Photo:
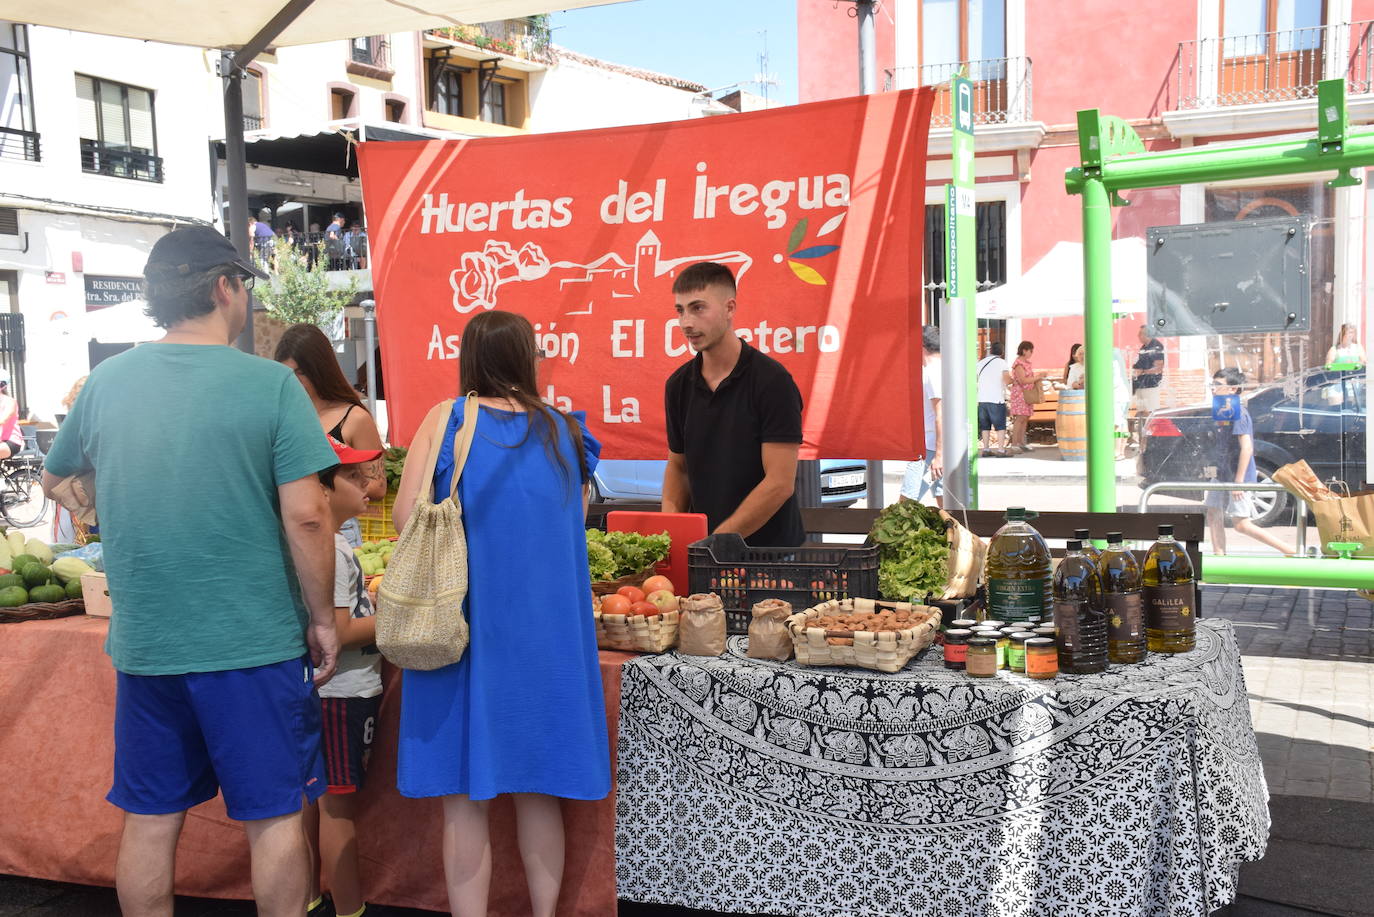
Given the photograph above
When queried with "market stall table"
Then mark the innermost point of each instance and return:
(760, 787)
(56, 754)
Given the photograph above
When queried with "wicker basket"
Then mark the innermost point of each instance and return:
(376, 522)
(42, 611)
(637, 633)
(606, 587)
(888, 651)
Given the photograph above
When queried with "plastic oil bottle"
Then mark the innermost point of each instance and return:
(1089, 548)
(1121, 578)
(1018, 571)
(1079, 620)
(1170, 596)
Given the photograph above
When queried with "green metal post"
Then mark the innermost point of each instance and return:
(1314, 572)
(1097, 337)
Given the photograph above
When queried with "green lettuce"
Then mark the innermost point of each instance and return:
(611, 555)
(913, 554)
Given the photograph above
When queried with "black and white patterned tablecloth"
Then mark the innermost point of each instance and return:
(760, 787)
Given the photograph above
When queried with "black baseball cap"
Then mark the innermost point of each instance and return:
(193, 250)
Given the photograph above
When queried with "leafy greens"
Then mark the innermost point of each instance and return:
(611, 555)
(913, 555)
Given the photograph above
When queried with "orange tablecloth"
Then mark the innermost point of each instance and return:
(56, 759)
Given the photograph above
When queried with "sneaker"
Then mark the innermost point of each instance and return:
(324, 909)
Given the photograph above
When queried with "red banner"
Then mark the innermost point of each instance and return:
(818, 209)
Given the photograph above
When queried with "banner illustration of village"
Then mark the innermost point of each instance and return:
(817, 208)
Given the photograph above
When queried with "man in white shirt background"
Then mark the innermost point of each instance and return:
(994, 375)
(926, 475)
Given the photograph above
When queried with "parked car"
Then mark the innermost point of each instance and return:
(1317, 415)
(843, 481)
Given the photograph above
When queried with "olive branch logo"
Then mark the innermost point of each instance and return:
(805, 272)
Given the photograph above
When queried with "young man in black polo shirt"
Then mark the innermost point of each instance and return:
(734, 421)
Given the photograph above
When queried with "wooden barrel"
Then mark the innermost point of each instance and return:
(1071, 425)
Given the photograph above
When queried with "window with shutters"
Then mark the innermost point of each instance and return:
(494, 103)
(18, 135)
(9, 221)
(117, 129)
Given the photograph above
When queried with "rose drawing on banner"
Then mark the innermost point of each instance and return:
(480, 274)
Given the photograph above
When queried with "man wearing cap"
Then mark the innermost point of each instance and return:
(218, 546)
(11, 437)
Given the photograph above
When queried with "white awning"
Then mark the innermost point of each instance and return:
(124, 323)
(232, 23)
(1054, 286)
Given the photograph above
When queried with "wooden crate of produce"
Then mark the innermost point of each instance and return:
(865, 633)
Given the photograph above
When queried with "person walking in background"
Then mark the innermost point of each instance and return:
(1346, 349)
(11, 436)
(1073, 370)
(1235, 462)
(993, 375)
(522, 713)
(306, 351)
(200, 450)
(1147, 373)
(926, 475)
(1024, 381)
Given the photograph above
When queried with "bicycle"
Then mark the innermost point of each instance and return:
(22, 501)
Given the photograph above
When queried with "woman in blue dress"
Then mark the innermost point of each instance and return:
(522, 712)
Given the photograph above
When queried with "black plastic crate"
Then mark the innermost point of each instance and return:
(743, 576)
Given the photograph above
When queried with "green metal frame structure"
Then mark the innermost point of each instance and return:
(1113, 159)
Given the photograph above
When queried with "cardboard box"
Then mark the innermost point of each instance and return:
(96, 595)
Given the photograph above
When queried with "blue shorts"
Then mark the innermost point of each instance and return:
(252, 733)
(992, 415)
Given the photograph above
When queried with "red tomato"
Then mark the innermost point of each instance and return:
(633, 593)
(655, 583)
(644, 608)
(615, 605)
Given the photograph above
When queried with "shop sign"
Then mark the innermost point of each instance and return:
(102, 291)
(818, 209)
(54, 277)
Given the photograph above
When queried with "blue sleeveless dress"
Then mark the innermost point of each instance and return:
(522, 711)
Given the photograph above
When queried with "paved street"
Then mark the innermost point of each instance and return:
(1309, 666)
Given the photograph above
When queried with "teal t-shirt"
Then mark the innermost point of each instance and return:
(189, 444)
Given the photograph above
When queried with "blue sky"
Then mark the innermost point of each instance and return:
(715, 42)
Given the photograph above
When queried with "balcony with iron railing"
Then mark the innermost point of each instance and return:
(529, 38)
(1278, 66)
(1001, 88)
(20, 144)
(99, 159)
(345, 252)
(370, 56)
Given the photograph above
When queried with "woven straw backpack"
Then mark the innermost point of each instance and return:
(420, 623)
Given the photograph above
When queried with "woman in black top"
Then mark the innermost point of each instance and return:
(305, 349)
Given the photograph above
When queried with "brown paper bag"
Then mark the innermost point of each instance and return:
(701, 628)
(768, 636)
(1349, 519)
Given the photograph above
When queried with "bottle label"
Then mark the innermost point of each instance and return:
(1078, 625)
(1170, 607)
(1016, 599)
(956, 652)
(1125, 616)
(1041, 663)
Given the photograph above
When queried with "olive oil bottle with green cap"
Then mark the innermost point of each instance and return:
(1170, 596)
(1120, 574)
(1018, 571)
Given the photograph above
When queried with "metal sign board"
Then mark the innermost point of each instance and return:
(1230, 278)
